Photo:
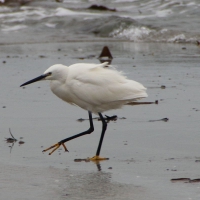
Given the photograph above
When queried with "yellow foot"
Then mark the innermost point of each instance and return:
(55, 147)
(98, 158)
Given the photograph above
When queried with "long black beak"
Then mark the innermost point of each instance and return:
(34, 80)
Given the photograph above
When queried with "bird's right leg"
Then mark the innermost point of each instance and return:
(57, 145)
(97, 158)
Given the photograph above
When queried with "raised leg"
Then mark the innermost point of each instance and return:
(57, 145)
(104, 127)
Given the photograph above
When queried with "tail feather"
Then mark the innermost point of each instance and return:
(141, 103)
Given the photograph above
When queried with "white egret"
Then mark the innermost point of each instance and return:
(93, 88)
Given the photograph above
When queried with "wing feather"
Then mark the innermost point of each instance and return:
(99, 86)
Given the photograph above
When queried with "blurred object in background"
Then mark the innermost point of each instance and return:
(105, 55)
(14, 2)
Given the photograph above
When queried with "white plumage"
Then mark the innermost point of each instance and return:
(93, 87)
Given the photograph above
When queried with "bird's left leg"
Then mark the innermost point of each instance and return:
(57, 145)
(104, 127)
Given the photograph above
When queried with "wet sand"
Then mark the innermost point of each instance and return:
(144, 155)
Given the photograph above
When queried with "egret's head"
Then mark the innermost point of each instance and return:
(55, 72)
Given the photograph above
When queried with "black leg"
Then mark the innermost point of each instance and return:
(104, 126)
(90, 130)
(57, 145)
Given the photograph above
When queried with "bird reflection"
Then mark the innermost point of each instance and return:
(91, 186)
(98, 166)
(96, 162)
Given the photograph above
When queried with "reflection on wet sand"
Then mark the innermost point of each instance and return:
(96, 162)
(97, 185)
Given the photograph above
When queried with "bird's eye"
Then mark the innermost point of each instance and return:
(49, 74)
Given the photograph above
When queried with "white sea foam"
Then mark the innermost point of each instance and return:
(13, 28)
(163, 13)
(131, 33)
(23, 14)
(181, 38)
(50, 25)
(148, 20)
(63, 12)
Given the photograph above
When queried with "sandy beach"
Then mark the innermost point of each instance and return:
(144, 154)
